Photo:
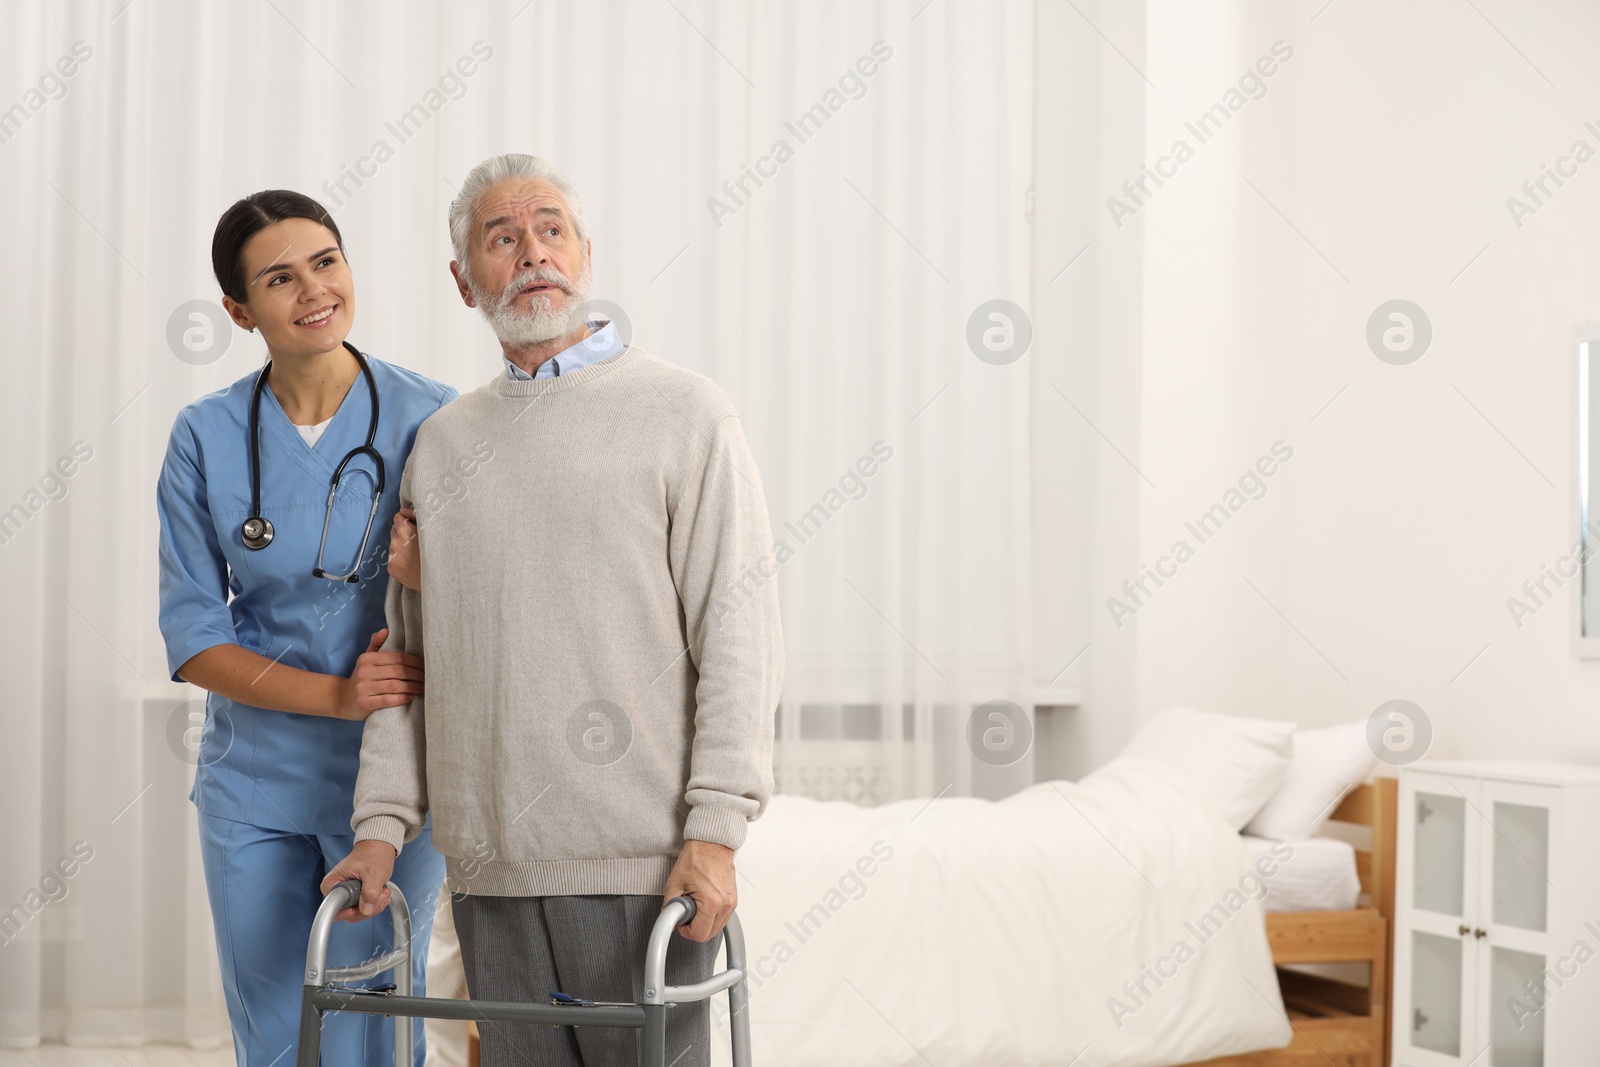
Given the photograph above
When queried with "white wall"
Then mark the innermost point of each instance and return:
(1215, 374)
(1417, 516)
(1085, 371)
(1378, 565)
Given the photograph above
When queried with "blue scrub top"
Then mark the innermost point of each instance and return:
(277, 769)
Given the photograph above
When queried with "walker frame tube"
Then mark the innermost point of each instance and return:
(651, 1016)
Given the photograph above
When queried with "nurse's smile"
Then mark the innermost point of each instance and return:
(318, 319)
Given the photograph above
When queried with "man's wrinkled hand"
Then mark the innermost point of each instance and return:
(704, 871)
(371, 863)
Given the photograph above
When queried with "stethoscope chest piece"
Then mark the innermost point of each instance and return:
(257, 532)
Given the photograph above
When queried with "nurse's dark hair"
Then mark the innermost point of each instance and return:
(250, 216)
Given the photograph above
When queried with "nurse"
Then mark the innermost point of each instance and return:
(272, 601)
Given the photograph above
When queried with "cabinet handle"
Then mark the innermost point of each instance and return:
(1463, 930)
(1418, 1020)
(1480, 934)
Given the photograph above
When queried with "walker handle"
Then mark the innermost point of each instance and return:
(352, 887)
(347, 894)
(688, 908)
(318, 974)
(658, 995)
(677, 913)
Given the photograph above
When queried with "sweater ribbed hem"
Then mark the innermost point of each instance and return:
(558, 878)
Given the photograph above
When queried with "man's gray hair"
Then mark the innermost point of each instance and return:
(491, 172)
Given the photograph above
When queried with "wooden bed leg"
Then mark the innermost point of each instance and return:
(1384, 861)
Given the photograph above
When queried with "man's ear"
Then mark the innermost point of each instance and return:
(461, 285)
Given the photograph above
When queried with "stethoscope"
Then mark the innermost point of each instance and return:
(257, 531)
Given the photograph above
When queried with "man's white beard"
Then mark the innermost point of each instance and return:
(543, 321)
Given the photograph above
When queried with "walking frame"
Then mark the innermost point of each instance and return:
(321, 994)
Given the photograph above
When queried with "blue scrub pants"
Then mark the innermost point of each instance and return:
(263, 886)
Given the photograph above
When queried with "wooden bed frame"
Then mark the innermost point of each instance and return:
(1339, 1023)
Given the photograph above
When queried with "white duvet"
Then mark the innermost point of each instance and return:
(1110, 921)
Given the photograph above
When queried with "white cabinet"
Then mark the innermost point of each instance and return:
(1497, 915)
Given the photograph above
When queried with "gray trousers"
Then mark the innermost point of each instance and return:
(522, 948)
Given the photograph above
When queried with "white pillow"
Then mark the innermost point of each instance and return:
(1235, 763)
(1328, 763)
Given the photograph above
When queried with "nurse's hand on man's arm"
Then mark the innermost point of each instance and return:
(380, 680)
(371, 863)
(405, 561)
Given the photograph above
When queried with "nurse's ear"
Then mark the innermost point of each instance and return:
(236, 311)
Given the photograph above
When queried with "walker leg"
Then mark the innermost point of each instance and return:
(653, 1043)
(404, 1026)
(310, 1029)
(739, 994)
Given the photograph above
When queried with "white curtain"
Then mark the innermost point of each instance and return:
(832, 301)
(854, 282)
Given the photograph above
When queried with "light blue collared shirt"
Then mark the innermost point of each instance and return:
(602, 344)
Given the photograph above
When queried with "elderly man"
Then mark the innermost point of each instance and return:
(603, 661)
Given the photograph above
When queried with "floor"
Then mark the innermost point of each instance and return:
(145, 1056)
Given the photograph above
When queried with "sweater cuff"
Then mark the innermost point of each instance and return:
(717, 824)
(386, 828)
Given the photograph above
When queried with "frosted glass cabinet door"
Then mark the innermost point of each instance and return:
(1436, 982)
(1519, 871)
(1516, 1009)
(1521, 849)
(1437, 890)
(1439, 826)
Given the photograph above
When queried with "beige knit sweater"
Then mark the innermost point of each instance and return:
(599, 623)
